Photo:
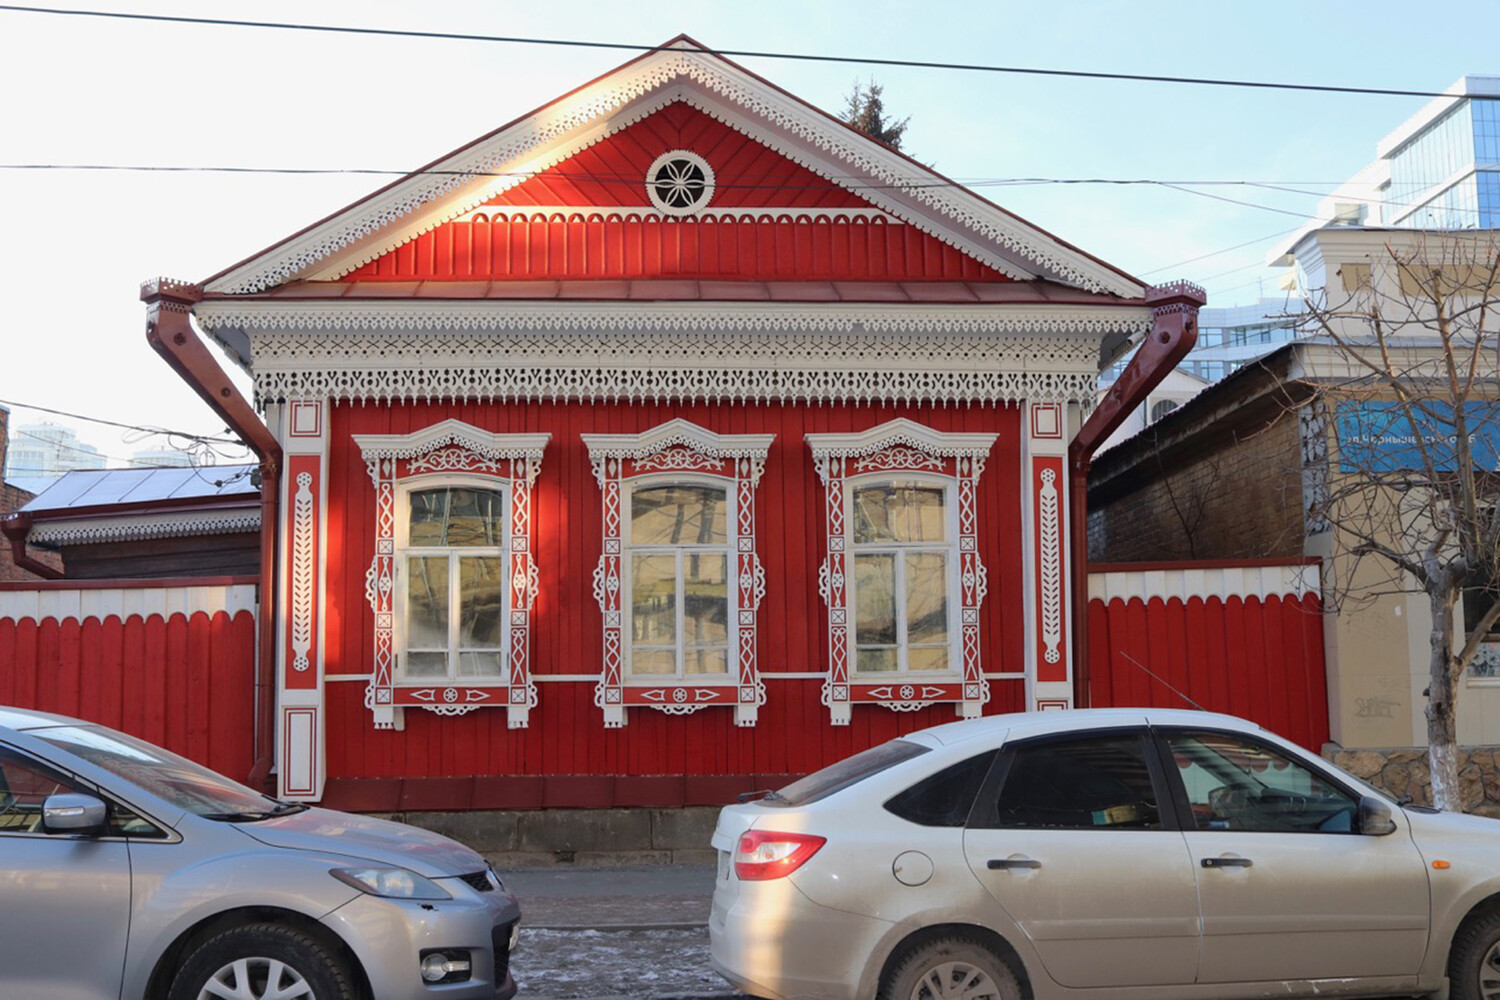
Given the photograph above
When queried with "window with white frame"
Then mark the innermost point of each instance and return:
(905, 556)
(902, 575)
(679, 579)
(452, 580)
(453, 585)
(679, 582)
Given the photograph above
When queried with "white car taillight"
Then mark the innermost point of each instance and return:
(767, 854)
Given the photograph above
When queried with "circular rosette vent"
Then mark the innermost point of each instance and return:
(679, 182)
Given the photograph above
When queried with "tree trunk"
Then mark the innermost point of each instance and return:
(1442, 726)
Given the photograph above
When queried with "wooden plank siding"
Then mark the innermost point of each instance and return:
(184, 682)
(566, 735)
(602, 232)
(1260, 657)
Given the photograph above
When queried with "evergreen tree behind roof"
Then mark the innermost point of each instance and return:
(866, 112)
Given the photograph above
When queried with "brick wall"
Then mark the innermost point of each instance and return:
(12, 498)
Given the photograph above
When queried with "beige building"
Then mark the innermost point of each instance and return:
(1247, 468)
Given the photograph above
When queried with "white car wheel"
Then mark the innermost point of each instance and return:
(951, 968)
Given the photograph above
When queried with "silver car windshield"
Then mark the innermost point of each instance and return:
(164, 774)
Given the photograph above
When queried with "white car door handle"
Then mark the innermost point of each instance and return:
(1227, 862)
(1003, 863)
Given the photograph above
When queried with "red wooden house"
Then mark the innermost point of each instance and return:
(669, 436)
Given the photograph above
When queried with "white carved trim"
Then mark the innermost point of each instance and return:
(901, 432)
(641, 213)
(88, 531)
(653, 177)
(303, 594)
(452, 447)
(684, 447)
(1049, 509)
(705, 316)
(1293, 580)
(456, 432)
(715, 86)
(126, 603)
(896, 446)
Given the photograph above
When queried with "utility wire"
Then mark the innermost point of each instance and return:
(113, 423)
(741, 53)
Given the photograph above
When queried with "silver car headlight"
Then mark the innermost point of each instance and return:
(392, 883)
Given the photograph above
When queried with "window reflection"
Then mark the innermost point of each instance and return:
(901, 577)
(455, 591)
(679, 580)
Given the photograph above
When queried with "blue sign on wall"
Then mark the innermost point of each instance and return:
(1385, 437)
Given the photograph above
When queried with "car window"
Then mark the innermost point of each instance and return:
(1078, 784)
(944, 798)
(172, 778)
(847, 772)
(25, 785)
(1237, 783)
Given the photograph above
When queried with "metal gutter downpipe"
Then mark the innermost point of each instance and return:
(16, 527)
(170, 333)
(1174, 330)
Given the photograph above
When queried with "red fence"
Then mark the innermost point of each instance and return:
(163, 664)
(1227, 638)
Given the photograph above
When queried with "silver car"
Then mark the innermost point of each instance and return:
(129, 872)
(1122, 854)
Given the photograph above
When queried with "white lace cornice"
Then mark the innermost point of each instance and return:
(687, 366)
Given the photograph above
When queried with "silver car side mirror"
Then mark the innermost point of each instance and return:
(1375, 817)
(72, 812)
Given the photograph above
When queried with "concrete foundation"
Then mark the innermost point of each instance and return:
(586, 837)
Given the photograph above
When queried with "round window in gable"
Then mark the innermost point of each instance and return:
(680, 182)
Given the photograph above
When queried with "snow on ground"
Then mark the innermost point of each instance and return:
(626, 963)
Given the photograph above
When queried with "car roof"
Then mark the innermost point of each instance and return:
(26, 718)
(1038, 723)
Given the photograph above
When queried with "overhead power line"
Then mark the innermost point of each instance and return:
(740, 53)
(114, 423)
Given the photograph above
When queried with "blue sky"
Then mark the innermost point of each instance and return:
(111, 92)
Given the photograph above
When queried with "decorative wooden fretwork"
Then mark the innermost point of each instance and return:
(510, 461)
(900, 446)
(680, 449)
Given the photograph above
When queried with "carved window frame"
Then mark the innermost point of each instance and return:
(680, 451)
(900, 449)
(432, 456)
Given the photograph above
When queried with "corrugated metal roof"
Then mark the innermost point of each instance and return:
(103, 487)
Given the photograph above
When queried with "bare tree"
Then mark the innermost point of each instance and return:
(1404, 365)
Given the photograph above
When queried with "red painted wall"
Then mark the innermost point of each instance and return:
(566, 734)
(603, 240)
(1260, 659)
(187, 684)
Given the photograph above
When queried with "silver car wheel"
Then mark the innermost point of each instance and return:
(256, 979)
(1489, 974)
(955, 981)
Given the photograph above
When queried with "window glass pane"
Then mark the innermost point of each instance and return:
(895, 512)
(653, 598)
(1080, 784)
(875, 660)
(927, 658)
(23, 789)
(473, 518)
(945, 798)
(705, 613)
(455, 516)
(678, 515)
(706, 660)
(477, 664)
(875, 599)
(652, 661)
(426, 664)
(1238, 784)
(427, 602)
(481, 597)
(847, 772)
(926, 597)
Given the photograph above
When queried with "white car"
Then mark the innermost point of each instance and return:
(1122, 854)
